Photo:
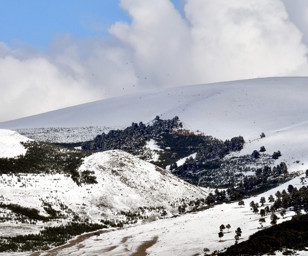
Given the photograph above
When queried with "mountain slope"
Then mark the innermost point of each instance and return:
(118, 185)
(185, 235)
(276, 106)
(245, 107)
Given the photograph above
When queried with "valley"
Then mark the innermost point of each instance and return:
(153, 173)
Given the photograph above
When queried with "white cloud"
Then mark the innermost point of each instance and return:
(209, 41)
(298, 13)
(160, 42)
(237, 39)
(34, 85)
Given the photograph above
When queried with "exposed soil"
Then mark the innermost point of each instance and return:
(71, 243)
(141, 251)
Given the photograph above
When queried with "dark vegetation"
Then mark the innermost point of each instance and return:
(209, 167)
(47, 238)
(133, 137)
(291, 234)
(47, 158)
(169, 135)
(176, 143)
(30, 213)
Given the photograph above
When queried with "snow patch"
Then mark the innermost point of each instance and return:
(151, 144)
(10, 144)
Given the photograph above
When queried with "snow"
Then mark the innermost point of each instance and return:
(124, 184)
(63, 134)
(182, 161)
(276, 106)
(151, 144)
(10, 144)
(183, 236)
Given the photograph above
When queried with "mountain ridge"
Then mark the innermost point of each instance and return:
(212, 100)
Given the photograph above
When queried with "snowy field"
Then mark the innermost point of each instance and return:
(182, 236)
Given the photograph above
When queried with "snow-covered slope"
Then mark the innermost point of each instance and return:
(183, 236)
(246, 107)
(124, 183)
(10, 144)
(276, 106)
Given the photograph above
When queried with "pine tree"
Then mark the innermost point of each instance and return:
(283, 213)
(262, 212)
(241, 203)
(228, 226)
(220, 235)
(261, 221)
(238, 233)
(274, 219)
(262, 200)
(222, 227)
(271, 199)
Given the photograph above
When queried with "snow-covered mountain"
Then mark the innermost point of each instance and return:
(246, 107)
(123, 184)
(276, 106)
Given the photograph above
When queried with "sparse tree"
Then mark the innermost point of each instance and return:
(210, 199)
(262, 212)
(206, 251)
(262, 200)
(228, 226)
(241, 203)
(255, 209)
(255, 154)
(262, 135)
(276, 155)
(261, 221)
(267, 209)
(262, 149)
(274, 219)
(278, 194)
(271, 199)
(236, 237)
(220, 235)
(290, 188)
(306, 173)
(252, 204)
(238, 234)
(303, 180)
(283, 213)
(238, 231)
(222, 227)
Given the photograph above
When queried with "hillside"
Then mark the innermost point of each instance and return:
(246, 107)
(275, 106)
(109, 186)
(185, 235)
(209, 135)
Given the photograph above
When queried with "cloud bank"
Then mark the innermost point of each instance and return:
(207, 41)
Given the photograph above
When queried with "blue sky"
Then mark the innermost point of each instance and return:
(36, 22)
